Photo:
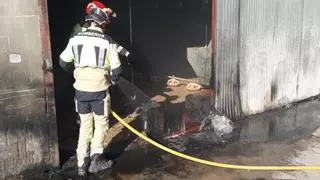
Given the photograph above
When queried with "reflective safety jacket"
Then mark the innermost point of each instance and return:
(95, 59)
(81, 28)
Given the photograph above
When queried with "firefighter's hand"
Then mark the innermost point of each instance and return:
(130, 59)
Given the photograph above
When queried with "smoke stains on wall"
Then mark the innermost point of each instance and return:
(266, 54)
(27, 117)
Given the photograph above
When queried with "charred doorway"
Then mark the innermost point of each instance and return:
(172, 37)
(162, 36)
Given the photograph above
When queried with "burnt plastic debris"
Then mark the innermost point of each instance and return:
(215, 129)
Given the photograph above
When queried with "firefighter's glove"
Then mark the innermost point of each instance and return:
(115, 74)
(130, 59)
(114, 79)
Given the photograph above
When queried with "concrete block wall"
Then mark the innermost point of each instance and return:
(28, 137)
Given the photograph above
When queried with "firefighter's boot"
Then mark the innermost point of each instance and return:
(83, 170)
(98, 163)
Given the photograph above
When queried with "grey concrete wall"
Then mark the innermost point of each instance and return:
(266, 54)
(28, 137)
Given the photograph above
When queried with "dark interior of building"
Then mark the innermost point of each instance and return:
(160, 30)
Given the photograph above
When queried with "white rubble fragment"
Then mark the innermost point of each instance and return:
(221, 125)
(316, 133)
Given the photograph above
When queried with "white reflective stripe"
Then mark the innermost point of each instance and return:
(119, 49)
(107, 105)
(96, 151)
(76, 54)
(102, 57)
(127, 53)
(76, 104)
(84, 29)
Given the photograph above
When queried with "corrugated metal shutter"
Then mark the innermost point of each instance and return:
(270, 36)
(270, 50)
(309, 71)
(227, 58)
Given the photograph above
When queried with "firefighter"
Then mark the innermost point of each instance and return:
(96, 64)
(82, 26)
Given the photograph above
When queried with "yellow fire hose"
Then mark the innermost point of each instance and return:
(211, 163)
